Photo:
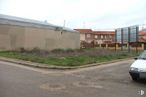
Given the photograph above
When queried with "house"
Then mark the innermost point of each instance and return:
(99, 37)
(142, 35)
(16, 33)
(86, 35)
(104, 37)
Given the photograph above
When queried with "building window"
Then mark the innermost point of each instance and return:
(88, 35)
(96, 36)
(110, 36)
(101, 36)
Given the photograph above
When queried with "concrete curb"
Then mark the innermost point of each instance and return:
(45, 66)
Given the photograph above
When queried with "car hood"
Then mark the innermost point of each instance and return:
(139, 63)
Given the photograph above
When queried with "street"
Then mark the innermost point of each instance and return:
(109, 80)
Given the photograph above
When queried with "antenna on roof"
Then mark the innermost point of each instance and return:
(84, 25)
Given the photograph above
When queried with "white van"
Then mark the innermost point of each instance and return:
(138, 68)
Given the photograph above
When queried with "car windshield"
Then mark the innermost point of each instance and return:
(142, 55)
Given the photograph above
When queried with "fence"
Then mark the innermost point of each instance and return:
(116, 46)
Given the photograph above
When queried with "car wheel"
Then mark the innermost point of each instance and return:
(134, 78)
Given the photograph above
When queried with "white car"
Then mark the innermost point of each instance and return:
(138, 68)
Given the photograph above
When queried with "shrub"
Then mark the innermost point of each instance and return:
(57, 50)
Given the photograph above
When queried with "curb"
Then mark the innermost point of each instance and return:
(44, 66)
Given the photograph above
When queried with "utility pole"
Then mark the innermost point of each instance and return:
(129, 40)
(122, 39)
(137, 31)
(64, 24)
(115, 40)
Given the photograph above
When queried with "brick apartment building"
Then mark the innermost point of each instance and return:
(99, 37)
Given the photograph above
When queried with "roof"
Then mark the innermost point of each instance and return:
(17, 21)
(94, 32)
(142, 39)
(142, 32)
(104, 32)
(84, 30)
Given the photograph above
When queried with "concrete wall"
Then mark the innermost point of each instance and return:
(13, 37)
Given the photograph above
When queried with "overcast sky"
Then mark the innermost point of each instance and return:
(94, 14)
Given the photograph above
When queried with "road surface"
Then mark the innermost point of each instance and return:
(111, 80)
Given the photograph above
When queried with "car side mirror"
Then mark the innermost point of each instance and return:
(135, 58)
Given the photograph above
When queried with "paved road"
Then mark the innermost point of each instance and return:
(110, 80)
